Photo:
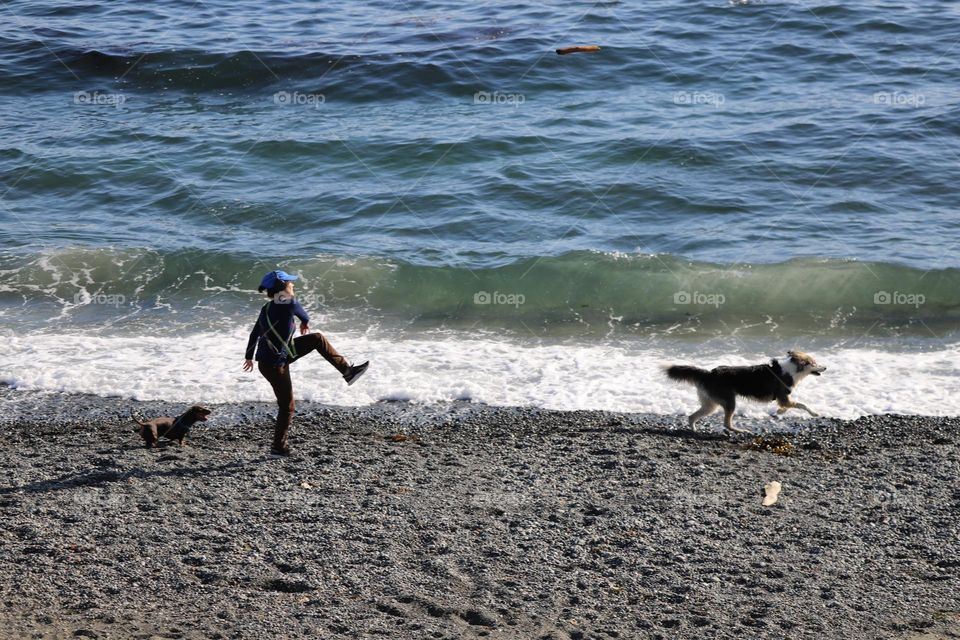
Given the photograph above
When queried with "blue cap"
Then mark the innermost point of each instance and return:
(273, 277)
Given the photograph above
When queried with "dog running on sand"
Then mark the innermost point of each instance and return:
(172, 428)
(719, 387)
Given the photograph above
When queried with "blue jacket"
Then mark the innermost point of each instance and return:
(275, 346)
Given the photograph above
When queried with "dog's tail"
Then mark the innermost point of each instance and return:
(139, 424)
(685, 373)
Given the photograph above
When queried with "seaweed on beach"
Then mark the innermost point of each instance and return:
(777, 445)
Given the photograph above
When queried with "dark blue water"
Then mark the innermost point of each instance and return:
(794, 161)
(709, 130)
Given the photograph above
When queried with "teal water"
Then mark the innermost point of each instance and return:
(587, 295)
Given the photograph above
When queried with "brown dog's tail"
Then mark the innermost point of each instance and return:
(139, 424)
(685, 373)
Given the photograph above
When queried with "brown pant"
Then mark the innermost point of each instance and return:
(279, 379)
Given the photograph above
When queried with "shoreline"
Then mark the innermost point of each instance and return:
(500, 369)
(460, 520)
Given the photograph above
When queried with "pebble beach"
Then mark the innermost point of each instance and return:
(458, 520)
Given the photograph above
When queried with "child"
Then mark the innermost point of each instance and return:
(273, 337)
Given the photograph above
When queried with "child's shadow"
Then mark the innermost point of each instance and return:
(106, 477)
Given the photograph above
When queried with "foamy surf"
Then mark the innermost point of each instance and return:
(206, 367)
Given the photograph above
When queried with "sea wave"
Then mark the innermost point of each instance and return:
(584, 293)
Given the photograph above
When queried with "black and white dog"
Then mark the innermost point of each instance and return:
(719, 387)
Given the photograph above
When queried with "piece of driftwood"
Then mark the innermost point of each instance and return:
(588, 48)
(771, 491)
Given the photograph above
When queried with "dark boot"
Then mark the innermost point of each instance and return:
(353, 373)
(281, 446)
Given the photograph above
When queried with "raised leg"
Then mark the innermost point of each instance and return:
(317, 341)
(800, 405)
(796, 405)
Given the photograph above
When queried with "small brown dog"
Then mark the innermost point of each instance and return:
(172, 428)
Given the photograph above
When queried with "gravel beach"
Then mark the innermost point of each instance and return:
(460, 521)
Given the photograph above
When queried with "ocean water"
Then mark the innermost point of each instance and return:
(480, 217)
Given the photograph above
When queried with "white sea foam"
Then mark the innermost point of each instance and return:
(207, 368)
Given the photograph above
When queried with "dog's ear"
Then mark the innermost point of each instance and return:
(799, 358)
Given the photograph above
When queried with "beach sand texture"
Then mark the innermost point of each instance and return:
(461, 521)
